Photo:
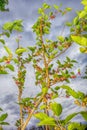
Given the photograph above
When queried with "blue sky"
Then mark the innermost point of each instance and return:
(27, 10)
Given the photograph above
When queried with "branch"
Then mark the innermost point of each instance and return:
(32, 112)
(59, 54)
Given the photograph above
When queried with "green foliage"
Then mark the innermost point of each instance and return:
(78, 126)
(42, 56)
(78, 95)
(1, 109)
(47, 121)
(69, 117)
(40, 116)
(44, 90)
(9, 66)
(56, 7)
(3, 3)
(68, 9)
(3, 72)
(56, 108)
(80, 40)
(13, 26)
(7, 50)
(26, 102)
(84, 115)
(2, 41)
(44, 119)
(20, 51)
(3, 117)
(83, 50)
(79, 28)
(85, 76)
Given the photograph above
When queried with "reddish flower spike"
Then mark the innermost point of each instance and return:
(8, 62)
(52, 16)
(73, 76)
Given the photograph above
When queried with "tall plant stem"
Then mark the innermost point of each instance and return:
(21, 114)
(32, 112)
(46, 66)
(20, 94)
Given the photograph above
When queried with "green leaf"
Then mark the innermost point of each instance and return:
(55, 95)
(57, 88)
(7, 34)
(1, 109)
(60, 48)
(4, 123)
(1, 60)
(3, 117)
(82, 14)
(84, 115)
(15, 60)
(41, 116)
(31, 48)
(54, 52)
(81, 94)
(70, 91)
(47, 121)
(68, 9)
(20, 50)
(7, 26)
(44, 90)
(84, 2)
(56, 108)
(68, 59)
(9, 66)
(83, 50)
(2, 41)
(68, 118)
(45, 6)
(76, 126)
(56, 7)
(76, 20)
(7, 50)
(15, 25)
(42, 107)
(61, 38)
(74, 61)
(80, 40)
(68, 24)
(3, 72)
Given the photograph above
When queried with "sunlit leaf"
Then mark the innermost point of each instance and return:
(2, 41)
(84, 115)
(56, 108)
(82, 14)
(68, 118)
(4, 123)
(80, 40)
(56, 7)
(8, 50)
(41, 116)
(47, 121)
(20, 50)
(3, 117)
(68, 9)
(83, 50)
(3, 72)
(9, 66)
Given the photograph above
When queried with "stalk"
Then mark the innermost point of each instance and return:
(21, 114)
(20, 93)
(46, 66)
(32, 112)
